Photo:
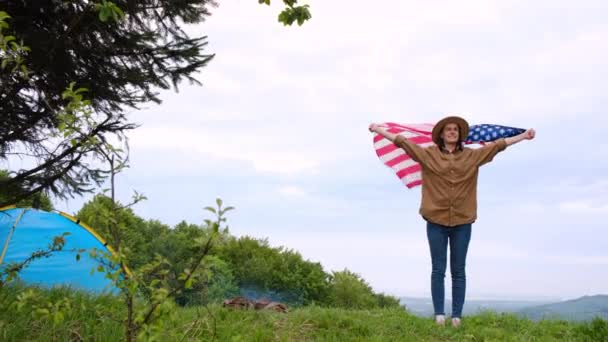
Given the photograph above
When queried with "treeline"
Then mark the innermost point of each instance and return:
(235, 266)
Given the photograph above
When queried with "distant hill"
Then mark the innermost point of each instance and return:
(580, 309)
(424, 306)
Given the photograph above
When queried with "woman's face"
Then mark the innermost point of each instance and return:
(450, 134)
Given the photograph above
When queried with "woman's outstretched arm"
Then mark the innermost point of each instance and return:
(527, 135)
(486, 153)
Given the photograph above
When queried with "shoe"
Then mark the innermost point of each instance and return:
(455, 322)
(440, 320)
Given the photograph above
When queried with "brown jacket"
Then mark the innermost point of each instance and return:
(449, 180)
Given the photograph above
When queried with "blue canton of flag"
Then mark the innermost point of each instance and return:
(486, 133)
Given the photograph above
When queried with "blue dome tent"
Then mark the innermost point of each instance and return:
(24, 231)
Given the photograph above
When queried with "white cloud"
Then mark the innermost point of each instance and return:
(264, 152)
(584, 207)
(580, 260)
(578, 186)
(291, 191)
(473, 57)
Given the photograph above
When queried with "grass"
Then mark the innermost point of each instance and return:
(88, 320)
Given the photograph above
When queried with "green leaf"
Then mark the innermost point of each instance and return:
(104, 14)
(118, 13)
(210, 209)
(81, 90)
(285, 17)
(304, 14)
(58, 318)
(219, 202)
(41, 312)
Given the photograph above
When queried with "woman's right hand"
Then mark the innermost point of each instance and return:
(372, 127)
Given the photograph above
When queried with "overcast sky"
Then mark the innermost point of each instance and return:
(279, 130)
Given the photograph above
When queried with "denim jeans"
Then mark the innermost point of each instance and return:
(459, 237)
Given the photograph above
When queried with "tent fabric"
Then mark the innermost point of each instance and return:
(24, 231)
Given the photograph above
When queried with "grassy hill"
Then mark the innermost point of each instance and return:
(87, 318)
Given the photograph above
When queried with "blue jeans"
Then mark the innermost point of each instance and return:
(459, 237)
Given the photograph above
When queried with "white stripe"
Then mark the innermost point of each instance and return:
(424, 127)
(392, 155)
(404, 164)
(420, 127)
(381, 143)
(385, 142)
(410, 134)
(411, 177)
(399, 151)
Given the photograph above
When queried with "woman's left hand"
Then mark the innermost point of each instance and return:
(529, 134)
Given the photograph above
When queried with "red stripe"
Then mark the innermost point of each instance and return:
(403, 172)
(395, 130)
(377, 138)
(421, 139)
(391, 147)
(397, 160)
(410, 128)
(386, 149)
(414, 183)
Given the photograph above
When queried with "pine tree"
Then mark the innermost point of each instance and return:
(72, 69)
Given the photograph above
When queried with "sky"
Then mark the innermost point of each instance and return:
(279, 130)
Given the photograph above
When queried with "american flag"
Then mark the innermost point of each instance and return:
(407, 170)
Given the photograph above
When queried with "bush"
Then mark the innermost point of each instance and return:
(348, 290)
(263, 269)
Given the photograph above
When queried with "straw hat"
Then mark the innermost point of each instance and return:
(462, 124)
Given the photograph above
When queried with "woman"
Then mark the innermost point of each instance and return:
(449, 200)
